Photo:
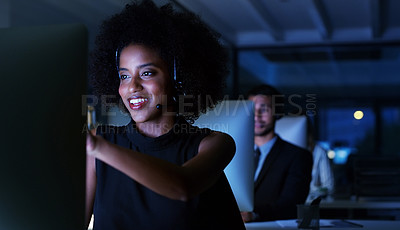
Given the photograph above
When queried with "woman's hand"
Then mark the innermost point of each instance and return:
(247, 216)
(91, 142)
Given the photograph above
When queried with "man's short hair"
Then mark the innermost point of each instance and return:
(278, 102)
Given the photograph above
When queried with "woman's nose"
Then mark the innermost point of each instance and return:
(135, 85)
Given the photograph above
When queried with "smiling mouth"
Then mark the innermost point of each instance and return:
(137, 103)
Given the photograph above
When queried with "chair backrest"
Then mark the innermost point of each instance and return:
(293, 129)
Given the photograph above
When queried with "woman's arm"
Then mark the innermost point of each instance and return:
(165, 178)
(90, 183)
(90, 187)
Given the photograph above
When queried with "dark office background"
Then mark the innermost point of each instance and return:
(331, 57)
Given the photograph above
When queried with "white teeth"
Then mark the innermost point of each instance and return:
(138, 100)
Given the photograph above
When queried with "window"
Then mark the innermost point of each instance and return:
(390, 129)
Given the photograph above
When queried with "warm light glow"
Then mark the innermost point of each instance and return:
(358, 114)
(331, 154)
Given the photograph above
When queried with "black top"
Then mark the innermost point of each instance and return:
(122, 203)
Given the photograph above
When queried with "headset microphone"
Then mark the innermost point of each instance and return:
(158, 106)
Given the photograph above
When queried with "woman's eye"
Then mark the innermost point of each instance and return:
(123, 77)
(147, 74)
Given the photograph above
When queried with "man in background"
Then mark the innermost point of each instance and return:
(323, 180)
(282, 170)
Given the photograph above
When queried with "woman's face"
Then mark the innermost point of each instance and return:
(144, 82)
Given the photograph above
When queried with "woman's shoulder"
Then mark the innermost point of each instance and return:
(204, 133)
(104, 129)
(186, 128)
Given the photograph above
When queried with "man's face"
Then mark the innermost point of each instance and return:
(264, 121)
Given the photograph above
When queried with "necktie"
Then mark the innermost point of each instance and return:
(256, 159)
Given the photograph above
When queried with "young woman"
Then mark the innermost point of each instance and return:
(159, 171)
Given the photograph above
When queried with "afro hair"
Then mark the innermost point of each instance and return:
(180, 38)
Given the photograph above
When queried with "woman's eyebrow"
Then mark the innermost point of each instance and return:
(122, 69)
(147, 64)
(140, 66)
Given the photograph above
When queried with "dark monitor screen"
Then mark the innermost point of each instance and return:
(43, 74)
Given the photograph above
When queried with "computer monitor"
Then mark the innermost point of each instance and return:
(42, 158)
(236, 118)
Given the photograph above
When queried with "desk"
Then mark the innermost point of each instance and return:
(359, 204)
(351, 205)
(367, 225)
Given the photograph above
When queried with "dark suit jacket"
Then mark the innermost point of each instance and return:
(283, 182)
